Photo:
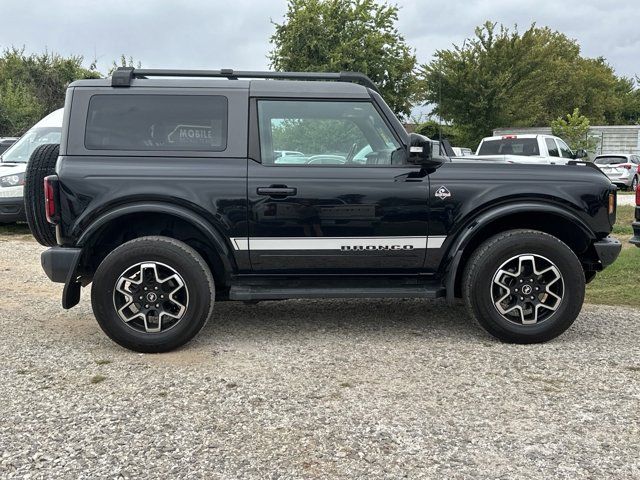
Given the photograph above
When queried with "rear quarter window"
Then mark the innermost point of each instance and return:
(157, 123)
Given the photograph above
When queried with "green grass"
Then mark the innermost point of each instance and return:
(618, 283)
(624, 217)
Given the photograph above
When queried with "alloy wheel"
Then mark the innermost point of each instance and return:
(527, 289)
(151, 297)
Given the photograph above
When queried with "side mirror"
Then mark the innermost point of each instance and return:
(421, 152)
(580, 153)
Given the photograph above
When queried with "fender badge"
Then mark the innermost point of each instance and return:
(442, 193)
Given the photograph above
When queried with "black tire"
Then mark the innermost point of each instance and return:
(479, 288)
(165, 252)
(41, 164)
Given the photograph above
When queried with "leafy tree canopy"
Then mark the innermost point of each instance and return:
(34, 85)
(433, 129)
(574, 129)
(504, 78)
(347, 35)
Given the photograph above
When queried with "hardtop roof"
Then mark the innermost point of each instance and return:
(274, 88)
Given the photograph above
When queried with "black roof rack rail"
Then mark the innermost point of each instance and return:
(122, 76)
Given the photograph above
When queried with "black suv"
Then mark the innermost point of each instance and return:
(168, 193)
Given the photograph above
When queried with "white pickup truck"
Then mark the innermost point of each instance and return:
(527, 148)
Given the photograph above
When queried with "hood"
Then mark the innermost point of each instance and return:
(12, 168)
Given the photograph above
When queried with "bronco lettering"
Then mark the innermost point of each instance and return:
(376, 247)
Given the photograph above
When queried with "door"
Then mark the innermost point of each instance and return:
(332, 190)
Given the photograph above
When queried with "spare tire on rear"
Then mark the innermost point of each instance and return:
(41, 164)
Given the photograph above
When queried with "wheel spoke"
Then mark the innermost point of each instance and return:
(151, 297)
(527, 289)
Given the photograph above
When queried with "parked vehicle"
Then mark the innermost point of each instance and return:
(545, 149)
(622, 169)
(462, 151)
(13, 163)
(636, 223)
(6, 142)
(166, 195)
(288, 156)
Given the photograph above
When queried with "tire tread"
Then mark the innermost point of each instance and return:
(470, 281)
(185, 250)
(41, 164)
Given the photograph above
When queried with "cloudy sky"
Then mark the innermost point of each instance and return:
(235, 33)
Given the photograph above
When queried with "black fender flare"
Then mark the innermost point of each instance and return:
(71, 293)
(471, 229)
(210, 232)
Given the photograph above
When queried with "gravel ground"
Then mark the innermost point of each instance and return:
(320, 389)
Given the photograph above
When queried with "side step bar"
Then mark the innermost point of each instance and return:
(260, 292)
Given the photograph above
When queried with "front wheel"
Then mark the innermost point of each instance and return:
(524, 286)
(152, 294)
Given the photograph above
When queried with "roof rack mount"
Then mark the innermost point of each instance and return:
(123, 76)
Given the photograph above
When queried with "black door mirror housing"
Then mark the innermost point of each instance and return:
(421, 152)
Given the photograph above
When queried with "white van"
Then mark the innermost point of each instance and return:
(13, 163)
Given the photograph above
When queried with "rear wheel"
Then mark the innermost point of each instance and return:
(524, 286)
(152, 294)
(42, 163)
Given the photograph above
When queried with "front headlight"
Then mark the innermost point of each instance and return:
(12, 180)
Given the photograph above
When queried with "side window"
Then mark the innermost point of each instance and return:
(157, 122)
(312, 133)
(552, 147)
(565, 151)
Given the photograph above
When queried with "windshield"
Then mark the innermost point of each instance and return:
(20, 151)
(510, 146)
(610, 160)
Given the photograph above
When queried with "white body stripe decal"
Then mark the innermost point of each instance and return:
(336, 243)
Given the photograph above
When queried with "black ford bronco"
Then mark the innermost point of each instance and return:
(171, 189)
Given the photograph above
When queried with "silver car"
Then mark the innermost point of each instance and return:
(622, 169)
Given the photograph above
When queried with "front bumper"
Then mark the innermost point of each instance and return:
(636, 229)
(607, 250)
(12, 210)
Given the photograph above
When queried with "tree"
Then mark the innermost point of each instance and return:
(347, 35)
(574, 129)
(18, 108)
(33, 85)
(629, 95)
(432, 129)
(501, 78)
(123, 62)
(313, 136)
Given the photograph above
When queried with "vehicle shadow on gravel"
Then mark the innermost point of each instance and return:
(347, 317)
